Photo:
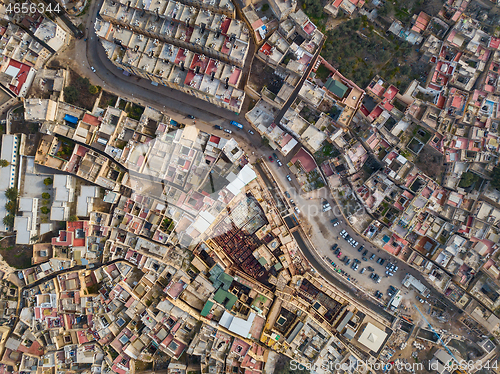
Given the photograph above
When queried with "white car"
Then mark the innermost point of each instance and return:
(251, 132)
(336, 224)
(289, 177)
(343, 233)
(228, 131)
(354, 243)
(279, 163)
(297, 210)
(92, 68)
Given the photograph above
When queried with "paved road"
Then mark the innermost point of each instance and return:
(175, 104)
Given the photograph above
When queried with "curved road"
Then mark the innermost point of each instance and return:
(175, 103)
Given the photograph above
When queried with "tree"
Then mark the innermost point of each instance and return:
(45, 195)
(73, 218)
(44, 210)
(11, 193)
(4, 163)
(495, 178)
(8, 220)
(386, 9)
(71, 94)
(11, 206)
(93, 89)
(47, 181)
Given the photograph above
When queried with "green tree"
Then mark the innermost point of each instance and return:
(11, 193)
(4, 163)
(48, 181)
(495, 178)
(93, 89)
(44, 210)
(8, 220)
(73, 218)
(45, 195)
(386, 9)
(71, 94)
(11, 206)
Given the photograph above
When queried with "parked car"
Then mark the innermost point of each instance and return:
(92, 68)
(420, 299)
(190, 116)
(364, 258)
(275, 155)
(271, 158)
(287, 194)
(334, 246)
(279, 163)
(217, 127)
(365, 252)
(339, 254)
(369, 268)
(297, 210)
(228, 131)
(336, 224)
(348, 261)
(288, 177)
(251, 132)
(362, 270)
(372, 256)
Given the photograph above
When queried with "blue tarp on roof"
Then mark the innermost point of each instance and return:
(71, 119)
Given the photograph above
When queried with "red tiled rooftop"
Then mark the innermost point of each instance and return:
(337, 3)
(494, 43)
(307, 162)
(211, 67)
(21, 76)
(200, 62)
(181, 56)
(225, 25)
(91, 120)
(225, 48)
(235, 75)
(391, 92)
(377, 111)
(309, 28)
(81, 151)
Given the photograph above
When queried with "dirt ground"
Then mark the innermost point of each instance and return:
(430, 162)
(18, 256)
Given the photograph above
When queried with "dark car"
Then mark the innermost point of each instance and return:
(287, 194)
(364, 258)
(348, 261)
(362, 271)
(360, 249)
(190, 116)
(218, 127)
(381, 261)
(392, 288)
(365, 252)
(369, 268)
(275, 156)
(271, 158)
(372, 256)
(334, 246)
(372, 275)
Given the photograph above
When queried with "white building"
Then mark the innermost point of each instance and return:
(85, 201)
(26, 224)
(64, 186)
(52, 34)
(10, 147)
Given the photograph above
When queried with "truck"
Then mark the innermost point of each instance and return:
(174, 123)
(237, 124)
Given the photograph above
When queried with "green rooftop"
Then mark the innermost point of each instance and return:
(207, 308)
(336, 87)
(225, 298)
(262, 261)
